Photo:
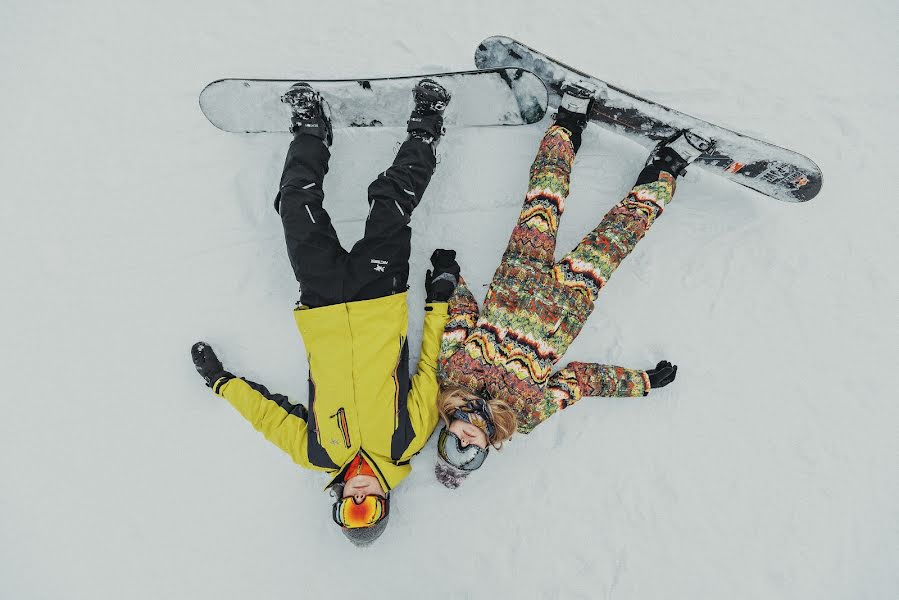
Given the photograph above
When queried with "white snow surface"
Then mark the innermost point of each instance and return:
(131, 228)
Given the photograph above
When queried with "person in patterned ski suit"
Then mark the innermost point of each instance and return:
(496, 365)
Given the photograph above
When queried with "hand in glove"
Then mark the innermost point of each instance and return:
(662, 375)
(440, 283)
(207, 363)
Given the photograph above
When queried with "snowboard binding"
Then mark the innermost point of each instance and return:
(426, 120)
(675, 153)
(577, 100)
(310, 113)
(574, 109)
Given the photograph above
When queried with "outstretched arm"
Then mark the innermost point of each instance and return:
(445, 284)
(421, 403)
(282, 423)
(417, 417)
(578, 379)
(463, 314)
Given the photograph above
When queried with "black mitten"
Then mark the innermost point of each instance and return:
(440, 283)
(662, 375)
(207, 363)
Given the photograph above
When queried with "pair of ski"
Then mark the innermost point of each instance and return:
(516, 85)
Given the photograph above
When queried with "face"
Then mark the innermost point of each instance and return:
(468, 433)
(361, 486)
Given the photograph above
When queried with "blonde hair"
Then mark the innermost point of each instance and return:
(505, 421)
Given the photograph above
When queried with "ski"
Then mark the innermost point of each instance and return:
(771, 170)
(494, 96)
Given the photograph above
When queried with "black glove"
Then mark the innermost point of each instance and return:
(440, 283)
(207, 363)
(662, 375)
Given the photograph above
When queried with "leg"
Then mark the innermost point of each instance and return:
(534, 236)
(379, 262)
(315, 252)
(591, 263)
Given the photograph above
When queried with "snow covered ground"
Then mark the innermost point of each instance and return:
(130, 227)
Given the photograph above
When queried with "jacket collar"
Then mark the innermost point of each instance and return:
(389, 473)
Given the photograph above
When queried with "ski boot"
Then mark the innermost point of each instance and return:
(426, 120)
(574, 110)
(675, 153)
(310, 114)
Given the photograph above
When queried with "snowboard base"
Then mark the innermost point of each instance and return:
(494, 96)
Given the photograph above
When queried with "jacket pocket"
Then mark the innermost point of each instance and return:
(340, 415)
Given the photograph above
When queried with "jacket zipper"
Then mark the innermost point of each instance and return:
(396, 388)
(311, 403)
(374, 466)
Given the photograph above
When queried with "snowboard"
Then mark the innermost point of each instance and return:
(494, 96)
(771, 170)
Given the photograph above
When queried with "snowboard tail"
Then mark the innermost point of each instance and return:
(771, 170)
(493, 96)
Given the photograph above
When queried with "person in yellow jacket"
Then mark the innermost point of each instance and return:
(365, 418)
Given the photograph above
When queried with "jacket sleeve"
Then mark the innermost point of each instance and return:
(463, 314)
(282, 423)
(422, 398)
(578, 380)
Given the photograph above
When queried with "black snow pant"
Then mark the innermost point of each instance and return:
(378, 264)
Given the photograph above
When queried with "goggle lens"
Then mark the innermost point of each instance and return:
(450, 449)
(351, 515)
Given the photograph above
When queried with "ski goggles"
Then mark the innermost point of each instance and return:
(466, 458)
(477, 412)
(370, 511)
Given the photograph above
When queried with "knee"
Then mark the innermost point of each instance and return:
(388, 189)
(298, 193)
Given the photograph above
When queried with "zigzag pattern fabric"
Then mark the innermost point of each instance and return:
(588, 267)
(534, 236)
(535, 308)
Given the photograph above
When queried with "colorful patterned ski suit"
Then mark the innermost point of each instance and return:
(535, 307)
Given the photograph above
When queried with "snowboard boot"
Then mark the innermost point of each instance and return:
(674, 154)
(426, 120)
(574, 110)
(310, 114)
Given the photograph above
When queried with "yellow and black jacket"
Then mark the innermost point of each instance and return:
(361, 399)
